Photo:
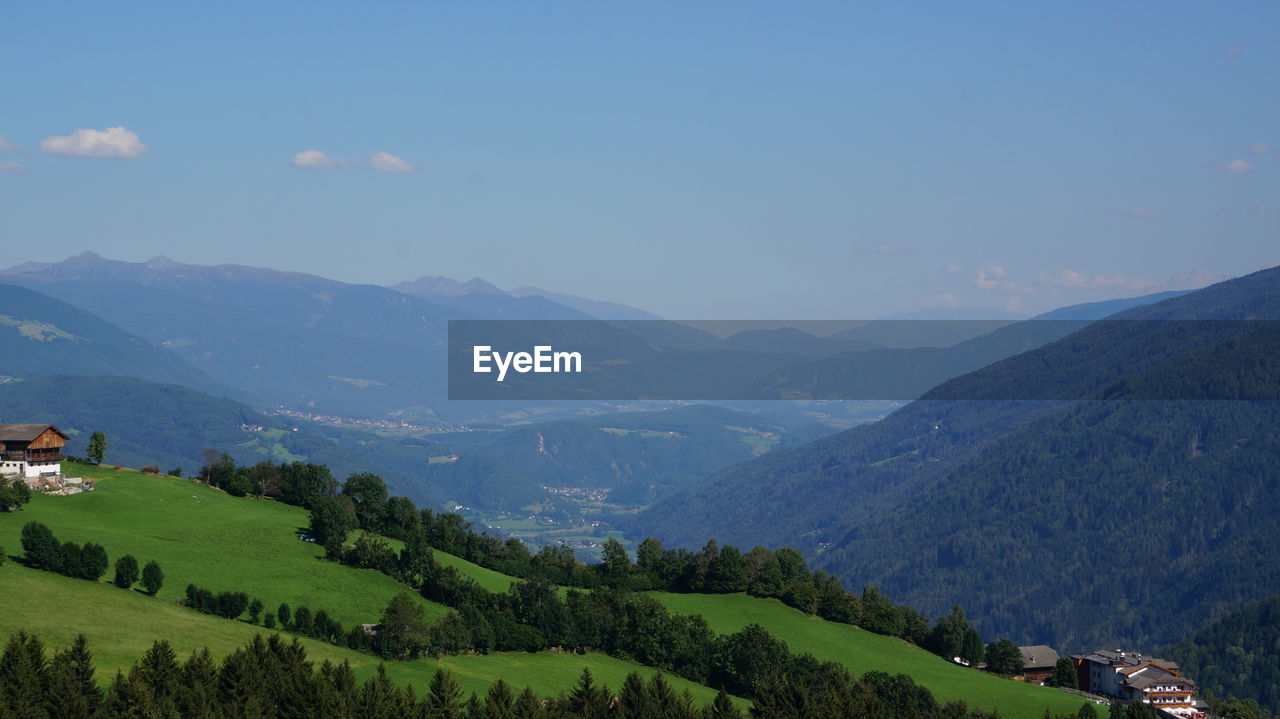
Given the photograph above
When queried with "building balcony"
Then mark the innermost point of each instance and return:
(31, 456)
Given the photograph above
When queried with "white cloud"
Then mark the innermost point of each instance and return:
(1237, 166)
(6, 145)
(12, 168)
(1143, 211)
(111, 142)
(386, 162)
(315, 158)
(993, 278)
(1259, 148)
(985, 275)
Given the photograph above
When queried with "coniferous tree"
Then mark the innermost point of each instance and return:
(64, 699)
(444, 700)
(131, 698)
(342, 681)
(379, 698)
(662, 697)
(73, 689)
(587, 700)
(159, 669)
(198, 686)
(721, 707)
(499, 703)
(528, 706)
(633, 699)
(24, 675)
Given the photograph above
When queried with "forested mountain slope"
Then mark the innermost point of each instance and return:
(1063, 522)
(43, 335)
(1238, 655)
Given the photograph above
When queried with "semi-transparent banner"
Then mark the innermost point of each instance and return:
(855, 359)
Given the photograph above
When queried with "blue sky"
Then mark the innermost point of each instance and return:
(709, 159)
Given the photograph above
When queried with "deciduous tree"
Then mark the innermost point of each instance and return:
(97, 447)
(152, 578)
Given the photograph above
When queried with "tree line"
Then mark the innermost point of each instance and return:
(269, 677)
(43, 551)
(363, 502)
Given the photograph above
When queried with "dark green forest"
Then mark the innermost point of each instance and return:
(1238, 655)
(270, 677)
(1074, 523)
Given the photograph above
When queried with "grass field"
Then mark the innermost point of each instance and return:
(487, 578)
(206, 537)
(203, 536)
(862, 651)
(121, 625)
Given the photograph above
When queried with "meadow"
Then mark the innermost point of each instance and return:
(203, 536)
(121, 625)
(862, 651)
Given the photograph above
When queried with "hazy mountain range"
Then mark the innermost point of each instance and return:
(1064, 522)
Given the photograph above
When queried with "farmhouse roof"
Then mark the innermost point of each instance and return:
(25, 432)
(1038, 655)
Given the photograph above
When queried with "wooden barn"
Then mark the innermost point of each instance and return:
(31, 451)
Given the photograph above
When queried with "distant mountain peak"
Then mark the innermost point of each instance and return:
(596, 308)
(160, 262)
(448, 287)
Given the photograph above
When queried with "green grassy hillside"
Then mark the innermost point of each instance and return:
(206, 537)
(122, 625)
(862, 651)
(857, 649)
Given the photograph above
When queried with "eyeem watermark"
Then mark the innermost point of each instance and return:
(543, 359)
